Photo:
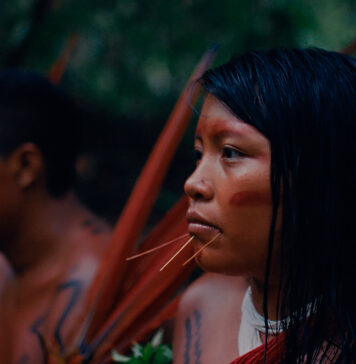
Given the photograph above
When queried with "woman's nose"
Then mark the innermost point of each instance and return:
(198, 188)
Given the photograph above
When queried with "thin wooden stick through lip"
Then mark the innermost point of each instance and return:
(157, 247)
(203, 247)
(176, 253)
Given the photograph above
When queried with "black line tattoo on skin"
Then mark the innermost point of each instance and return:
(188, 342)
(35, 329)
(76, 287)
(197, 335)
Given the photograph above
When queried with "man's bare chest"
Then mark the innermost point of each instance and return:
(28, 321)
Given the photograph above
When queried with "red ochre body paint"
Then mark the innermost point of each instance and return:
(251, 198)
(221, 128)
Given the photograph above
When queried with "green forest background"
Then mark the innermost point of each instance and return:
(132, 60)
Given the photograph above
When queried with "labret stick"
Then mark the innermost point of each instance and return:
(157, 247)
(175, 254)
(203, 247)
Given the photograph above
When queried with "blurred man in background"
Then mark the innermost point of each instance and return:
(52, 242)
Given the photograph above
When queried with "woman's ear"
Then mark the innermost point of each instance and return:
(27, 165)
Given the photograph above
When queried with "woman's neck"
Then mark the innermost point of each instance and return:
(257, 289)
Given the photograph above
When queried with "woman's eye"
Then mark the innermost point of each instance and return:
(197, 155)
(231, 153)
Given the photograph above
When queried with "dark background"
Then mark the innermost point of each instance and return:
(132, 59)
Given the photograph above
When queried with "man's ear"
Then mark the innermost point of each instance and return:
(27, 164)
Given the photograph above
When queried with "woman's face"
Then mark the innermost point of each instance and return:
(230, 193)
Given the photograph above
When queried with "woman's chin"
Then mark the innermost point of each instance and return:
(210, 264)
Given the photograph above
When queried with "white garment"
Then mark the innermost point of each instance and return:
(252, 324)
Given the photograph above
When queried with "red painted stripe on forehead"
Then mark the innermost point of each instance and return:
(221, 127)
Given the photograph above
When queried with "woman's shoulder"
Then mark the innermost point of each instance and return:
(214, 297)
(208, 319)
(212, 287)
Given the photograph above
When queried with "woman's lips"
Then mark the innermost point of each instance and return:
(198, 229)
(199, 226)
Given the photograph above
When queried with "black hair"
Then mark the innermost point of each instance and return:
(304, 102)
(32, 109)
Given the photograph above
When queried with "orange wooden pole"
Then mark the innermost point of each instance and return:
(350, 49)
(59, 67)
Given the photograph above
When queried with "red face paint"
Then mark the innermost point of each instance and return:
(221, 128)
(231, 181)
(251, 198)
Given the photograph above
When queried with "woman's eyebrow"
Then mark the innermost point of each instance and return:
(228, 132)
(221, 133)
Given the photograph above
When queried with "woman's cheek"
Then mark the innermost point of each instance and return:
(251, 199)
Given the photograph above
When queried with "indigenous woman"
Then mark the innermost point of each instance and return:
(272, 200)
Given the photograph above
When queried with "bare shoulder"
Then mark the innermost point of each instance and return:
(210, 289)
(208, 319)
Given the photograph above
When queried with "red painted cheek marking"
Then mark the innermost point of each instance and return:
(251, 198)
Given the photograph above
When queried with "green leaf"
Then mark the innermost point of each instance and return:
(163, 355)
(137, 350)
(157, 338)
(148, 352)
(119, 358)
